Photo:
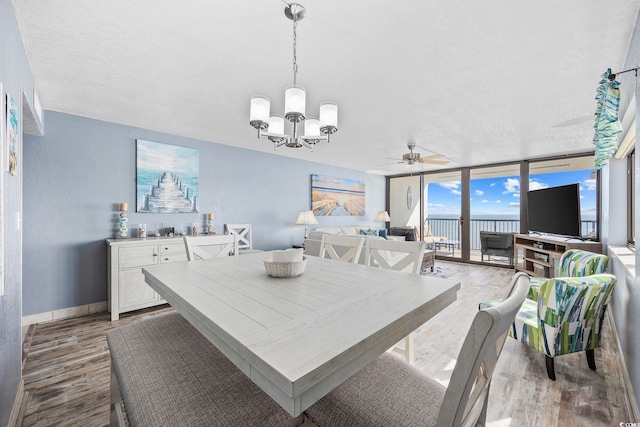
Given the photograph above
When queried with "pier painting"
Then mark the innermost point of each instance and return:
(332, 196)
(167, 178)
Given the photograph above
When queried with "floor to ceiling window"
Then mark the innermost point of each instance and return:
(435, 203)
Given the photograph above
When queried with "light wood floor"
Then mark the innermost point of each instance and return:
(66, 372)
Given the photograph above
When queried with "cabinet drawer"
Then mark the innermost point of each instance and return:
(164, 258)
(166, 248)
(137, 256)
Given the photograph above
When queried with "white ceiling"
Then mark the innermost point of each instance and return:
(479, 82)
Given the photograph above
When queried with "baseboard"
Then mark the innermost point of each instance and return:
(630, 396)
(17, 406)
(64, 313)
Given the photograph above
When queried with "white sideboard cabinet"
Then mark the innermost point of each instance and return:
(127, 289)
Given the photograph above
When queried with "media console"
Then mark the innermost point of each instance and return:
(540, 255)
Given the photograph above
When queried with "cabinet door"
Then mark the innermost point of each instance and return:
(133, 291)
(137, 256)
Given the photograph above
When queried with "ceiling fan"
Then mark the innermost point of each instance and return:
(412, 157)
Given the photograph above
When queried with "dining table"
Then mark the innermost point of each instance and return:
(299, 337)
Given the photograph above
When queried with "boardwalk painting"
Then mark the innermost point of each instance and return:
(336, 196)
(167, 178)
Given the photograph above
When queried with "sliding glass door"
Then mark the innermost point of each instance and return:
(442, 228)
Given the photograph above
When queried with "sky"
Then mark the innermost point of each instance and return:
(500, 197)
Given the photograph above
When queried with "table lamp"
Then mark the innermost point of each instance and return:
(383, 216)
(305, 218)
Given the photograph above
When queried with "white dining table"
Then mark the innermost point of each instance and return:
(298, 338)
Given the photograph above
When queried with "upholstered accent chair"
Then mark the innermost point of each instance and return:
(573, 263)
(390, 392)
(566, 317)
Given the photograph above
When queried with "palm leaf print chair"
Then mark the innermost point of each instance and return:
(566, 317)
(573, 263)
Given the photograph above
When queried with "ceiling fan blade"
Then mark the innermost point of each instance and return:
(434, 162)
(433, 157)
(388, 164)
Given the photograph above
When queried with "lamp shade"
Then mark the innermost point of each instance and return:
(312, 127)
(306, 218)
(260, 107)
(276, 124)
(329, 115)
(383, 216)
(294, 101)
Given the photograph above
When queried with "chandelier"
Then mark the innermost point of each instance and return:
(272, 125)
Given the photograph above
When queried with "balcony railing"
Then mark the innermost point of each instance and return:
(450, 228)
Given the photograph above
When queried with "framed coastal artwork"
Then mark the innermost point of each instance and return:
(331, 196)
(167, 178)
(12, 135)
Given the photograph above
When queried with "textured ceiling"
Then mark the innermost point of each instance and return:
(479, 82)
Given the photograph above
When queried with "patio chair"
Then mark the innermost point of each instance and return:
(496, 244)
(390, 392)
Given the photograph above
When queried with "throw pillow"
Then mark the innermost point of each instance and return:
(382, 233)
(369, 232)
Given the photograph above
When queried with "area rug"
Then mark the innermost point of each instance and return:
(438, 271)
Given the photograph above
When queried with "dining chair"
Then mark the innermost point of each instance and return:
(341, 248)
(400, 256)
(243, 231)
(389, 391)
(209, 247)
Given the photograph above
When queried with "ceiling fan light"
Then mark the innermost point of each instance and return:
(294, 103)
(259, 112)
(328, 117)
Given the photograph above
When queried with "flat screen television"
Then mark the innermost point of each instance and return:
(555, 210)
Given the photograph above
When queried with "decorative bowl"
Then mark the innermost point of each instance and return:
(284, 269)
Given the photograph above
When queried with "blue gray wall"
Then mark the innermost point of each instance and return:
(625, 303)
(77, 173)
(16, 76)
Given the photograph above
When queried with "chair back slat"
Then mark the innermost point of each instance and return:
(208, 247)
(466, 396)
(350, 245)
(395, 255)
(243, 231)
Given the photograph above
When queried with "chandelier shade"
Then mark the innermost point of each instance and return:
(259, 115)
(273, 125)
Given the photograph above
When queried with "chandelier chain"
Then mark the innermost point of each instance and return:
(295, 58)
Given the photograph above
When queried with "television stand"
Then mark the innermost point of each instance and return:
(545, 261)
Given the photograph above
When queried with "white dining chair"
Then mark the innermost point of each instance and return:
(389, 392)
(243, 231)
(209, 247)
(400, 256)
(341, 248)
